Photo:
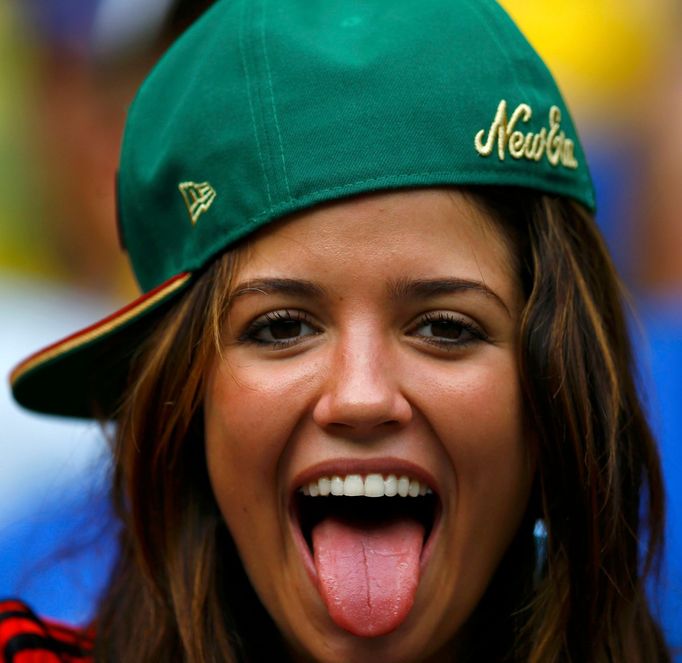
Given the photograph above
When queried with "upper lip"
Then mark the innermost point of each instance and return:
(364, 466)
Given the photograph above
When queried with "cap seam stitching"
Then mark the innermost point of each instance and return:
(272, 101)
(249, 96)
(489, 24)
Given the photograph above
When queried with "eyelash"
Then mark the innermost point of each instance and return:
(475, 332)
(265, 321)
(270, 318)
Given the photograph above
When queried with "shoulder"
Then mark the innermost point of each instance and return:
(26, 638)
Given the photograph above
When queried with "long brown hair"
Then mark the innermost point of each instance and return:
(599, 485)
(179, 593)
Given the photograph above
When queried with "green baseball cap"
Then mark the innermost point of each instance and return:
(268, 107)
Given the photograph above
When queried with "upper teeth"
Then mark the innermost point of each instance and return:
(373, 485)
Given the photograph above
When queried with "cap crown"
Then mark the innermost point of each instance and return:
(265, 107)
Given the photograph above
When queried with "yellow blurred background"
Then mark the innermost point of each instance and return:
(619, 64)
(606, 53)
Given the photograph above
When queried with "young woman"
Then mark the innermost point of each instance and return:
(381, 346)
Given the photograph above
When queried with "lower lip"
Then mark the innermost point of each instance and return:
(309, 562)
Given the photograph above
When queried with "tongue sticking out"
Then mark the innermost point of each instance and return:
(368, 573)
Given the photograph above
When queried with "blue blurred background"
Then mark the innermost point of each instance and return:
(68, 69)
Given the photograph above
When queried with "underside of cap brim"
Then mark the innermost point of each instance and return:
(84, 375)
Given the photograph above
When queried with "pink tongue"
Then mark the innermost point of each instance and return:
(368, 573)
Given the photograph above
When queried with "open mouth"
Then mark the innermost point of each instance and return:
(367, 536)
(369, 512)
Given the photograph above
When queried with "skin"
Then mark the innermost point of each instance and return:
(365, 377)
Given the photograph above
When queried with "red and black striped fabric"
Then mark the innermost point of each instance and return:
(26, 638)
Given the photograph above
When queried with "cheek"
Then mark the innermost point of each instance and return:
(240, 454)
(481, 408)
(249, 415)
(483, 432)
(250, 410)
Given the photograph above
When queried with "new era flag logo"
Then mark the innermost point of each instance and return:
(198, 198)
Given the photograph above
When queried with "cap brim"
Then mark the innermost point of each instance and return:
(85, 374)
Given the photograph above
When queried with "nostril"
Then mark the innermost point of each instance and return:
(362, 414)
(363, 429)
(342, 424)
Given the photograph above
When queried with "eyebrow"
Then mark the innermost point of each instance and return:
(401, 288)
(272, 286)
(423, 288)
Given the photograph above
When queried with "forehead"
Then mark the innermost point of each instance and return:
(423, 233)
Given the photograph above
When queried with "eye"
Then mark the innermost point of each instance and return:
(447, 330)
(280, 329)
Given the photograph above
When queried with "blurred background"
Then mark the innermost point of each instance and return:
(68, 70)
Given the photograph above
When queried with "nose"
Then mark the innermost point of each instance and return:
(361, 394)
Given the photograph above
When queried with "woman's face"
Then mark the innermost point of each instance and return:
(370, 349)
